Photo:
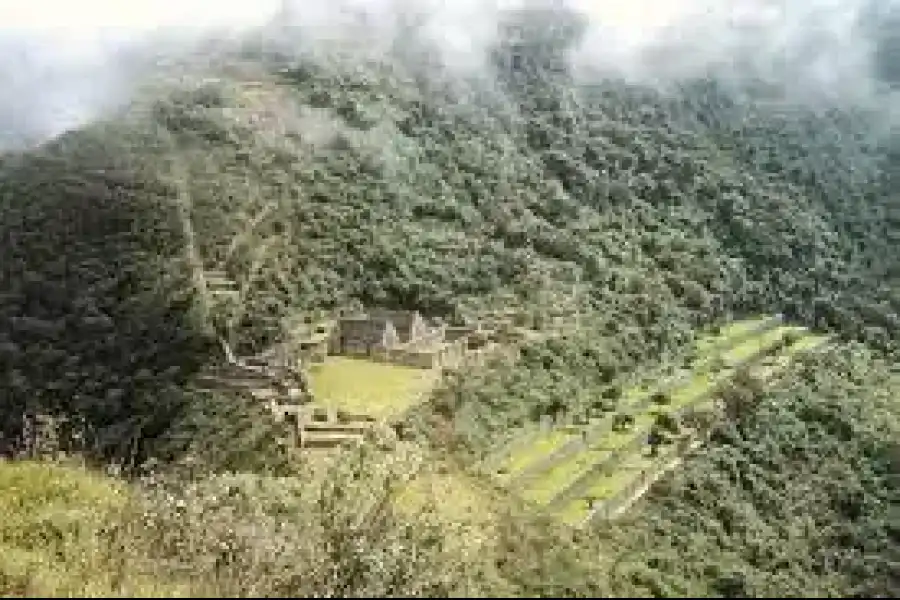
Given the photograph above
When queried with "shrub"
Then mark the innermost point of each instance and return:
(661, 398)
(612, 393)
(790, 338)
(622, 421)
(666, 421)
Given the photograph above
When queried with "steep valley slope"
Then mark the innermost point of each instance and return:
(321, 184)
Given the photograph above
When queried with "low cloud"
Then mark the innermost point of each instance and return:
(65, 63)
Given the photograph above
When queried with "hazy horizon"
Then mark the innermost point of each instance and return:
(66, 63)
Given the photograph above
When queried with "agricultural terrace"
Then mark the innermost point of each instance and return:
(367, 387)
(573, 471)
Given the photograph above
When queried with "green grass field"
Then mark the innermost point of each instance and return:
(542, 488)
(366, 387)
(706, 347)
(702, 381)
(778, 363)
(607, 485)
(543, 444)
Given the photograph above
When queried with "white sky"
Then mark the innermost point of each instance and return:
(83, 32)
(79, 16)
(75, 31)
(68, 33)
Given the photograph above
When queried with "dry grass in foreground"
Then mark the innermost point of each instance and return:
(70, 532)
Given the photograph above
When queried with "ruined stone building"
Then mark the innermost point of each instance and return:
(374, 333)
(410, 325)
(363, 336)
(394, 336)
(378, 332)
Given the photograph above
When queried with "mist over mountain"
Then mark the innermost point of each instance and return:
(66, 67)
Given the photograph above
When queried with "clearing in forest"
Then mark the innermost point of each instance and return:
(568, 468)
(360, 386)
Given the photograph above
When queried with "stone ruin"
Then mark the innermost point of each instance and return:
(285, 390)
(397, 337)
(315, 427)
(278, 375)
(404, 338)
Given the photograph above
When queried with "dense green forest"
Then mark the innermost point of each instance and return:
(798, 498)
(321, 181)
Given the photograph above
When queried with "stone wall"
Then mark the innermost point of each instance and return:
(405, 338)
(452, 334)
(429, 338)
(454, 353)
(362, 336)
(412, 358)
(409, 324)
(313, 351)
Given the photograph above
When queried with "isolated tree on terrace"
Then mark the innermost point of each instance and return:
(654, 440)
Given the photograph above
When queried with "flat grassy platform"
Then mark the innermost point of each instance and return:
(367, 387)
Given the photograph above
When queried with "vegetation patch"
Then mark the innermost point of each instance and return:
(733, 342)
(545, 444)
(453, 498)
(544, 486)
(709, 342)
(811, 514)
(52, 535)
(631, 466)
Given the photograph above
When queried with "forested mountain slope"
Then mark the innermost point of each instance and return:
(404, 184)
(318, 181)
(798, 498)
